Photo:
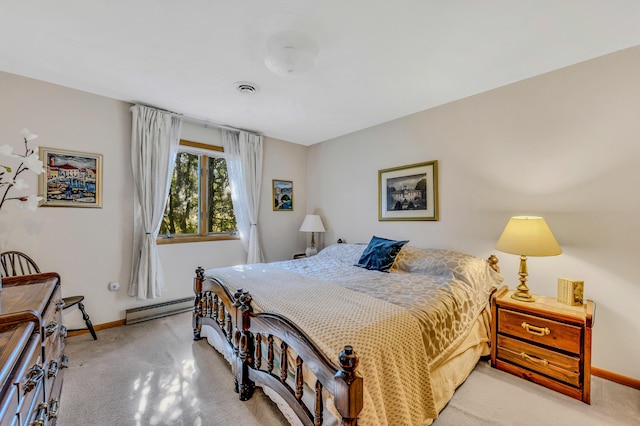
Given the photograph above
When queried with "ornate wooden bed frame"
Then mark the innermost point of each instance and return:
(246, 332)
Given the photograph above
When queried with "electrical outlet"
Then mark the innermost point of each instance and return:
(114, 286)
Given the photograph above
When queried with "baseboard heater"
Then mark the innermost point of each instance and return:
(149, 312)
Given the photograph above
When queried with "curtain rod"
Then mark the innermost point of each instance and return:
(205, 123)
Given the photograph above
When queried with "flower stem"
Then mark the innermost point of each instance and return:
(21, 168)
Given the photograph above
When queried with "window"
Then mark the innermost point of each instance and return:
(199, 205)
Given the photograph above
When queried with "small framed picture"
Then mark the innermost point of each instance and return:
(71, 179)
(408, 192)
(282, 195)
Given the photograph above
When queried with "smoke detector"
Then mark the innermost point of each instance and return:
(246, 87)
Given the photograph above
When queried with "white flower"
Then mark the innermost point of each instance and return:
(27, 135)
(7, 151)
(30, 203)
(20, 184)
(34, 164)
(9, 176)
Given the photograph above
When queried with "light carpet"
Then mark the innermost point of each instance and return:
(153, 373)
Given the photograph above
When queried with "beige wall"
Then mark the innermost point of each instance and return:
(91, 247)
(565, 145)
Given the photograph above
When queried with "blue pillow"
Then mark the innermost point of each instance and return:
(380, 254)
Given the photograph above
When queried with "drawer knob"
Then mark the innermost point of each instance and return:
(34, 377)
(534, 359)
(53, 369)
(54, 405)
(536, 331)
(41, 416)
(51, 328)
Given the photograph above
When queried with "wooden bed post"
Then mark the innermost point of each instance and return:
(493, 263)
(197, 303)
(245, 345)
(348, 397)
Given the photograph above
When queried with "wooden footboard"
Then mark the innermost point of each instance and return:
(260, 344)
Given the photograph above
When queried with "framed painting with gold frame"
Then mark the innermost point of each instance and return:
(408, 192)
(71, 179)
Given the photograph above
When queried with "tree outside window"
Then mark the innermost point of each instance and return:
(199, 206)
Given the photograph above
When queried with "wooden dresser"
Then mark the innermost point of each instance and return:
(545, 342)
(31, 350)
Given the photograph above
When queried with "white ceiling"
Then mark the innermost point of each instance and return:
(378, 60)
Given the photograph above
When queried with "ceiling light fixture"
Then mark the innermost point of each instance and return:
(246, 87)
(290, 52)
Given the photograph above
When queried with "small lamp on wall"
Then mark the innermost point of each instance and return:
(312, 223)
(527, 236)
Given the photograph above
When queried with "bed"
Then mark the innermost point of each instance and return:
(333, 343)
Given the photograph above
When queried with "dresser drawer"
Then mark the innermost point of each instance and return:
(15, 339)
(53, 379)
(53, 401)
(35, 410)
(53, 330)
(540, 330)
(544, 361)
(9, 406)
(28, 378)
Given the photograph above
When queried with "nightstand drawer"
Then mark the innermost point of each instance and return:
(544, 361)
(540, 330)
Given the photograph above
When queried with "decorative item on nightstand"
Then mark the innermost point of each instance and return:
(570, 291)
(527, 236)
(312, 223)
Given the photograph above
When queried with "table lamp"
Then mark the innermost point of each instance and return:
(527, 236)
(312, 223)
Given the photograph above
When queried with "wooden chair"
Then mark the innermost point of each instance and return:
(14, 263)
(77, 300)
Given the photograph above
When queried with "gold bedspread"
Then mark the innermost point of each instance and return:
(387, 338)
(401, 324)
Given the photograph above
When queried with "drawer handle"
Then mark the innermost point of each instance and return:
(42, 415)
(59, 305)
(536, 331)
(64, 361)
(54, 405)
(63, 332)
(534, 359)
(51, 328)
(35, 375)
(53, 369)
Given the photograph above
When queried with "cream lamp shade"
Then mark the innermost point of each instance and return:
(312, 223)
(527, 236)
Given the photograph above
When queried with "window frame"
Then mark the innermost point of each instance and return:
(203, 204)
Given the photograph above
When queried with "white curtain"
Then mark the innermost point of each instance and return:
(155, 136)
(243, 154)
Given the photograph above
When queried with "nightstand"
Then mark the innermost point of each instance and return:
(545, 342)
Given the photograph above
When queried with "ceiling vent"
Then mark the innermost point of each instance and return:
(246, 87)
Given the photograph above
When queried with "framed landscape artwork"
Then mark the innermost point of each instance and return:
(408, 192)
(282, 195)
(71, 179)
